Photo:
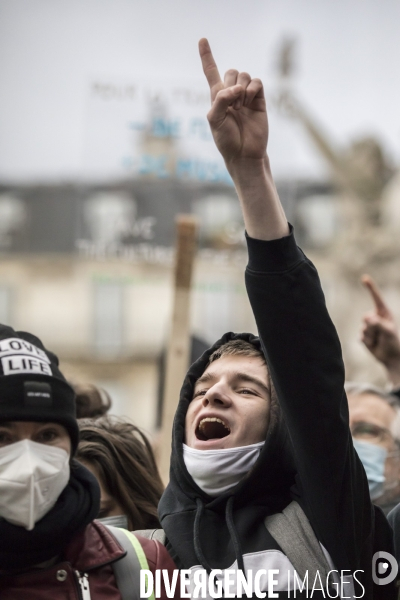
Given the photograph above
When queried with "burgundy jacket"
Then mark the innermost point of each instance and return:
(91, 551)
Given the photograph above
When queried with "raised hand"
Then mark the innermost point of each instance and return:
(379, 332)
(239, 124)
(238, 117)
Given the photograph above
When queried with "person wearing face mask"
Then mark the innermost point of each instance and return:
(375, 428)
(380, 336)
(120, 457)
(265, 484)
(50, 544)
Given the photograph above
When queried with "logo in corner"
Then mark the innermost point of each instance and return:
(384, 568)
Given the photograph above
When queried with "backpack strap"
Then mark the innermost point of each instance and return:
(153, 534)
(127, 569)
(294, 534)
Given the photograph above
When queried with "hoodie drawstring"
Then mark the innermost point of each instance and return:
(196, 536)
(232, 533)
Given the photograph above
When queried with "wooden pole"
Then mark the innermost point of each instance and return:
(178, 350)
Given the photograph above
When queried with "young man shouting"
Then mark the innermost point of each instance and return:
(264, 477)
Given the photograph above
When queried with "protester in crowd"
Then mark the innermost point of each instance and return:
(375, 428)
(242, 452)
(50, 545)
(121, 458)
(380, 335)
(376, 410)
(91, 402)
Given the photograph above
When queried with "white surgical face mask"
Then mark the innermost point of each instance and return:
(373, 458)
(218, 471)
(32, 476)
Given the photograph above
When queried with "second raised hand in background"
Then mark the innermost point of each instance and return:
(379, 333)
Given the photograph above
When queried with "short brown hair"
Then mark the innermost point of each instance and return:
(236, 348)
(91, 401)
(124, 459)
(241, 347)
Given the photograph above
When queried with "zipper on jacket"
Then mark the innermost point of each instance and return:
(83, 580)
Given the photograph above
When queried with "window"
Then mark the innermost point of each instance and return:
(108, 319)
(12, 219)
(5, 305)
(221, 223)
(109, 216)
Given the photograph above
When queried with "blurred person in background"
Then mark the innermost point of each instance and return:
(375, 428)
(381, 337)
(121, 458)
(50, 544)
(91, 402)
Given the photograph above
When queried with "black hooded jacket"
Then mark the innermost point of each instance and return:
(308, 456)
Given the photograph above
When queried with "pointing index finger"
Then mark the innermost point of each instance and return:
(379, 302)
(210, 68)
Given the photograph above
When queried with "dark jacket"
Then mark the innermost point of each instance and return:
(91, 551)
(308, 456)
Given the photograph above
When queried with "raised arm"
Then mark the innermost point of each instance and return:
(239, 124)
(300, 342)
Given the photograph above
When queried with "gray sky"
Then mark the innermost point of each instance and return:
(51, 49)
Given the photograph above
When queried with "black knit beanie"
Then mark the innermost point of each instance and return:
(32, 388)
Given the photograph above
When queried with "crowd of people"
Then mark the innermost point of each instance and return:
(277, 466)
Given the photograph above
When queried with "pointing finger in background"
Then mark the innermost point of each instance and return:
(380, 305)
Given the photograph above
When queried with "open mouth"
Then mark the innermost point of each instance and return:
(212, 428)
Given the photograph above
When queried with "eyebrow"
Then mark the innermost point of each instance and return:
(206, 378)
(210, 377)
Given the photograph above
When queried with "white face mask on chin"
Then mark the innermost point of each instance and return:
(32, 476)
(219, 471)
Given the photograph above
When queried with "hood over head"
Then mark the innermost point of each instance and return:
(213, 532)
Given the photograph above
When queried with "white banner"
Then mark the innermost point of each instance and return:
(138, 128)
